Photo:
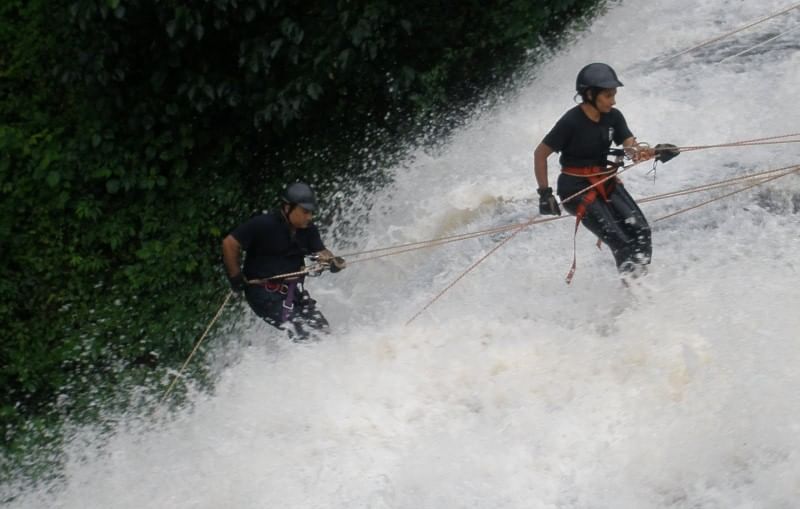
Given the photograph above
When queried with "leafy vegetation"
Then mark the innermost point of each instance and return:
(135, 133)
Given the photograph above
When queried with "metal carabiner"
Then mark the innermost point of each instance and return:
(632, 151)
(315, 267)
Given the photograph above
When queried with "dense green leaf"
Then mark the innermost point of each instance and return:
(136, 133)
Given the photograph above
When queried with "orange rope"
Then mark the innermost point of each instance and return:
(422, 244)
(715, 185)
(455, 238)
(463, 274)
(760, 182)
(436, 241)
(654, 198)
(414, 246)
(471, 267)
(745, 143)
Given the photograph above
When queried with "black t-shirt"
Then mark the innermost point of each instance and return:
(271, 248)
(584, 142)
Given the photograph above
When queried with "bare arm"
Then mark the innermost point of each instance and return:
(540, 156)
(231, 256)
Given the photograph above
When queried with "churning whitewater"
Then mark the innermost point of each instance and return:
(515, 390)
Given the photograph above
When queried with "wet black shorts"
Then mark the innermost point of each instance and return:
(304, 318)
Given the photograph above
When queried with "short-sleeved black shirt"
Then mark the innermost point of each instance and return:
(271, 248)
(584, 142)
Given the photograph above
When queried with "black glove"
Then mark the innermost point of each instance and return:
(666, 151)
(337, 263)
(238, 283)
(548, 205)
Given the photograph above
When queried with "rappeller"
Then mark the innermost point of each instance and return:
(275, 244)
(583, 136)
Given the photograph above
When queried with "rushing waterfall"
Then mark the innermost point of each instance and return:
(515, 390)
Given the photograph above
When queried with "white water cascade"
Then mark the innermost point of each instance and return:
(515, 390)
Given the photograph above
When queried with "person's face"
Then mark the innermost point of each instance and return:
(606, 100)
(300, 217)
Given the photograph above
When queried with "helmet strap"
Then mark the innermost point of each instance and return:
(593, 100)
(287, 209)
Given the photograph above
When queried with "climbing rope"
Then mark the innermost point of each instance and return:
(464, 273)
(414, 246)
(758, 183)
(196, 347)
(314, 269)
(506, 240)
(715, 185)
(771, 140)
(757, 179)
(761, 179)
(425, 244)
(732, 32)
(751, 48)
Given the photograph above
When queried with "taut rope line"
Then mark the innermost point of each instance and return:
(437, 240)
(728, 34)
(456, 238)
(716, 185)
(735, 180)
(760, 177)
(769, 140)
(463, 274)
(760, 182)
(484, 257)
(410, 246)
(751, 48)
(414, 246)
(196, 347)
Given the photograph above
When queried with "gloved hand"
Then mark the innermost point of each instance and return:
(548, 205)
(666, 151)
(238, 282)
(337, 264)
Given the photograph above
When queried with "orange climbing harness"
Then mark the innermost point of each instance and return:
(601, 184)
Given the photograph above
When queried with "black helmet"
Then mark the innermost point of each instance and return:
(597, 75)
(301, 194)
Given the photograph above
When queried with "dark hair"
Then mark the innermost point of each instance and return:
(595, 91)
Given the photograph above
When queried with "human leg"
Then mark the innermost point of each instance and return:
(267, 305)
(300, 321)
(307, 318)
(639, 249)
(620, 224)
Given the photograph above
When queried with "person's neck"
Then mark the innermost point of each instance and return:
(591, 112)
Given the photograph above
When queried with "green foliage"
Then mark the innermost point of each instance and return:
(135, 133)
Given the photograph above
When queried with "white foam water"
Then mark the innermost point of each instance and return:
(514, 390)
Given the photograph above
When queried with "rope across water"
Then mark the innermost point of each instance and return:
(752, 180)
(382, 252)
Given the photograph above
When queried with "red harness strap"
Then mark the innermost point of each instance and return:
(271, 286)
(600, 184)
